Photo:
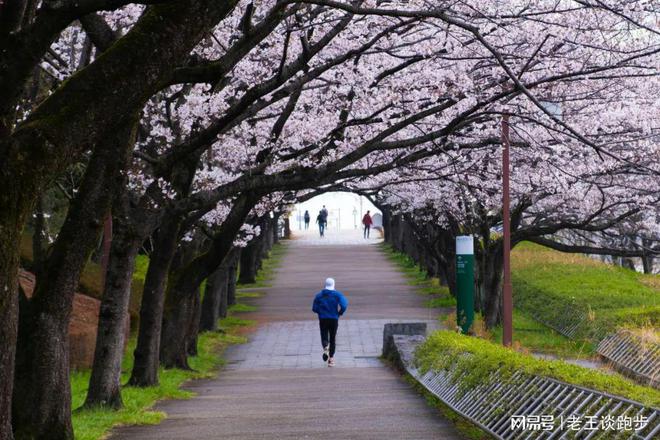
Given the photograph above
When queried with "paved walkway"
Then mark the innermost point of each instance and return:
(277, 387)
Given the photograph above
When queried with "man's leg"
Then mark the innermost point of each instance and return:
(325, 332)
(368, 230)
(325, 336)
(332, 329)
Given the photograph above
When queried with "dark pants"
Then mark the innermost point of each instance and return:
(328, 333)
(367, 228)
(322, 229)
(306, 224)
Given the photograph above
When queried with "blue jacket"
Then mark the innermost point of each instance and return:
(329, 304)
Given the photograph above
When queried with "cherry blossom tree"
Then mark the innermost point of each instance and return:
(191, 110)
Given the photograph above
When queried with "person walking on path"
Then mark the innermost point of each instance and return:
(307, 218)
(329, 305)
(367, 222)
(321, 221)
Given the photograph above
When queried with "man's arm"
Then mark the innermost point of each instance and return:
(315, 305)
(343, 303)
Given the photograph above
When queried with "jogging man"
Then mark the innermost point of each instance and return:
(329, 304)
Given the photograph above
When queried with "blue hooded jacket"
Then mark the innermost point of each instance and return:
(329, 304)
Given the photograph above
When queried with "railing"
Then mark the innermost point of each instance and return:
(632, 356)
(533, 407)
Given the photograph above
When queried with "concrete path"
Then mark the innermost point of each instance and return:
(277, 386)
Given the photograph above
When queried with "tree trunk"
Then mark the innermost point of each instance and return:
(248, 265)
(647, 263)
(229, 293)
(276, 230)
(178, 312)
(45, 145)
(186, 281)
(11, 226)
(214, 296)
(387, 234)
(628, 263)
(647, 259)
(39, 237)
(232, 277)
(193, 328)
(42, 365)
(17, 199)
(132, 224)
(490, 285)
(146, 362)
(397, 233)
(287, 227)
(263, 243)
(104, 384)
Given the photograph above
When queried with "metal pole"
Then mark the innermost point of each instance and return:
(507, 302)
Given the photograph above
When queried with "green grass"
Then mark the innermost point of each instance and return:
(438, 295)
(268, 266)
(468, 429)
(141, 266)
(546, 283)
(413, 273)
(94, 424)
(478, 358)
(442, 301)
(240, 307)
(249, 294)
(549, 284)
(230, 322)
(531, 334)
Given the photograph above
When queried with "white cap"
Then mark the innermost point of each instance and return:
(330, 283)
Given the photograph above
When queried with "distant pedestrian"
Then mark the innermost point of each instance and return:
(307, 218)
(321, 222)
(367, 222)
(329, 305)
(324, 212)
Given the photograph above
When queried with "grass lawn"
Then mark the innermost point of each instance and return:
(438, 295)
(547, 283)
(529, 334)
(268, 267)
(94, 424)
(551, 285)
(478, 358)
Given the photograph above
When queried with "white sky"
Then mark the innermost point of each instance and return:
(345, 210)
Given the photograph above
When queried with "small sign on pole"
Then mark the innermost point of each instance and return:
(464, 282)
